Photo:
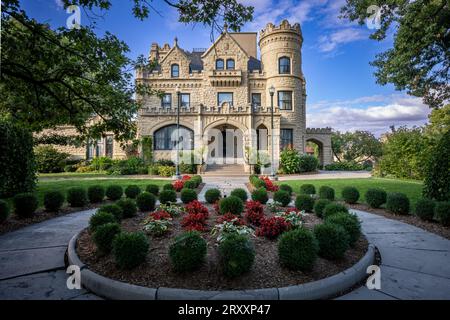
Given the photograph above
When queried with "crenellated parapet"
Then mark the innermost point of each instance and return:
(284, 28)
(326, 130)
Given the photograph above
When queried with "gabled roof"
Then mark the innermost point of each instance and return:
(219, 39)
(172, 50)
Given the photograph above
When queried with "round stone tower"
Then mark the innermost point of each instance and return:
(281, 45)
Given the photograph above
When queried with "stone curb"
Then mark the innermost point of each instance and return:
(320, 289)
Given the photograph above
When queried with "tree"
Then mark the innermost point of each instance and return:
(358, 146)
(439, 123)
(419, 61)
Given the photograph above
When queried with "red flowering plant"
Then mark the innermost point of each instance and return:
(229, 217)
(269, 184)
(196, 216)
(160, 215)
(254, 212)
(272, 227)
(178, 185)
(157, 223)
(185, 178)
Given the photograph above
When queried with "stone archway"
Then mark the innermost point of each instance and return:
(315, 147)
(225, 144)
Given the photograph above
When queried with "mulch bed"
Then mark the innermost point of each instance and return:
(431, 226)
(266, 272)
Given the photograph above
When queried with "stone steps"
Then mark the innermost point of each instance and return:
(225, 170)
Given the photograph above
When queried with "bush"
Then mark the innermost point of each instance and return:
(25, 204)
(188, 195)
(101, 163)
(49, 160)
(319, 206)
(100, 218)
(231, 204)
(167, 197)
(128, 206)
(198, 179)
(346, 166)
(272, 227)
(77, 197)
(96, 194)
(114, 209)
(114, 192)
(289, 161)
(425, 209)
(189, 184)
(442, 212)
(146, 201)
(168, 186)
(53, 200)
(326, 192)
(104, 235)
(304, 202)
(287, 188)
(212, 195)
(18, 169)
(153, 189)
(132, 191)
(260, 195)
(187, 252)
(333, 208)
(375, 197)
(4, 211)
(282, 197)
(307, 189)
(397, 203)
(166, 171)
(240, 193)
(254, 212)
(333, 240)
(349, 222)
(130, 249)
(297, 249)
(236, 254)
(350, 194)
(308, 163)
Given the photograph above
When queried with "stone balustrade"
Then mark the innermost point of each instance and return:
(201, 109)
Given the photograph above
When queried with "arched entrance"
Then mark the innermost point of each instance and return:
(314, 147)
(225, 145)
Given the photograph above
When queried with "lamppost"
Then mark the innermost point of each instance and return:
(177, 172)
(272, 169)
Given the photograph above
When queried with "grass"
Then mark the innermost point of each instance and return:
(412, 189)
(71, 175)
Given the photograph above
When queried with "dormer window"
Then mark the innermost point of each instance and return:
(219, 64)
(230, 64)
(284, 65)
(175, 71)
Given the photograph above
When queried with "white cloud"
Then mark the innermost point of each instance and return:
(349, 115)
(59, 4)
(330, 42)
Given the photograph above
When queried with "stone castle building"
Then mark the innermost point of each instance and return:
(226, 87)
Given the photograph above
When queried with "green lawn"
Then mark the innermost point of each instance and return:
(71, 175)
(413, 189)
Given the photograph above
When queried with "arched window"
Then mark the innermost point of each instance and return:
(230, 64)
(175, 71)
(165, 138)
(284, 65)
(219, 64)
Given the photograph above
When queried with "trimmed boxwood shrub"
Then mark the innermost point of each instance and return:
(259, 183)
(350, 194)
(130, 249)
(77, 197)
(104, 235)
(4, 211)
(189, 184)
(375, 197)
(326, 192)
(188, 195)
(231, 204)
(333, 208)
(25, 204)
(187, 252)
(282, 197)
(307, 163)
(100, 218)
(304, 202)
(146, 201)
(442, 212)
(349, 222)
(297, 249)
(114, 209)
(240, 193)
(132, 191)
(287, 188)
(167, 197)
(153, 189)
(307, 189)
(198, 179)
(236, 254)
(333, 240)
(53, 200)
(96, 194)
(425, 209)
(168, 186)
(114, 192)
(397, 203)
(212, 195)
(319, 206)
(260, 195)
(128, 206)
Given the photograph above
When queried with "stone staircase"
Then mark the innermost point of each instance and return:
(225, 170)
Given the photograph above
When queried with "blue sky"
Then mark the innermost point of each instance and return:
(342, 91)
